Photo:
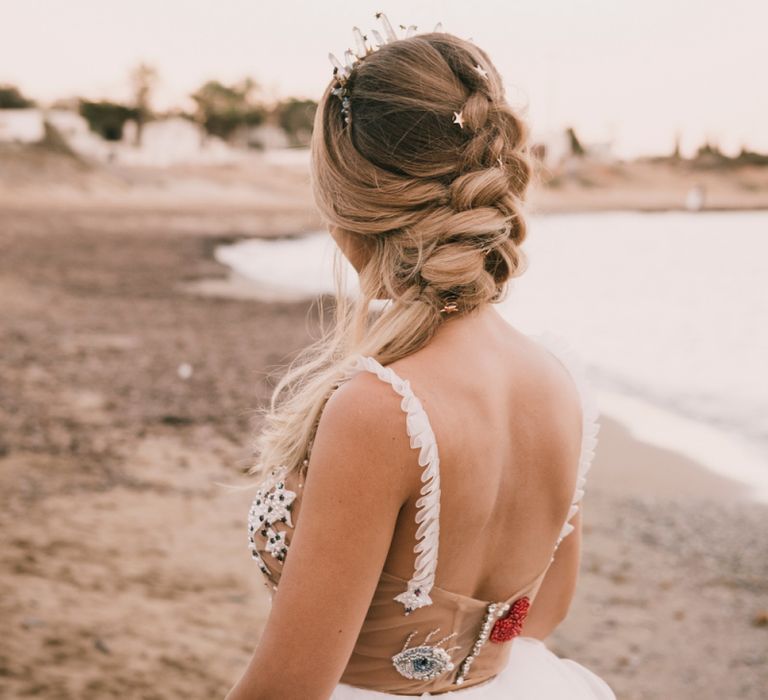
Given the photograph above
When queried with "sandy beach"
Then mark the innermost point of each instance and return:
(130, 372)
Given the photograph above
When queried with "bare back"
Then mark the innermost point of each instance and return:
(508, 421)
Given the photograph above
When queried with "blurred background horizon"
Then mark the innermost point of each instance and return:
(639, 79)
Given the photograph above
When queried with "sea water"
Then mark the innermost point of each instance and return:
(669, 310)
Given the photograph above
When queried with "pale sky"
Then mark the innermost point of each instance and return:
(633, 73)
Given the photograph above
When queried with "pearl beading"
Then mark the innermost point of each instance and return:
(494, 611)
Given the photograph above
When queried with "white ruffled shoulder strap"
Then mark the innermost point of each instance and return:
(428, 505)
(562, 349)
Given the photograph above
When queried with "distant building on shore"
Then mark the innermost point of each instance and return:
(172, 141)
(557, 148)
(168, 141)
(21, 125)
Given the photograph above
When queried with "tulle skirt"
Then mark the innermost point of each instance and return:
(533, 673)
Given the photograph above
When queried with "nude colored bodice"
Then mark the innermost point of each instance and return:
(417, 637)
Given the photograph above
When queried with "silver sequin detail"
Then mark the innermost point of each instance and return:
(494, 610)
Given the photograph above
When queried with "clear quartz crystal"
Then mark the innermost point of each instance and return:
(388, 31)
(349, 59)
(360, 46)
(340, 70)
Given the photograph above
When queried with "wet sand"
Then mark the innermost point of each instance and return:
(125, 571)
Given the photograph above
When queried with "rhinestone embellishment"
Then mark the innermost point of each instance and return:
(510, 626)
(269, 507)
(494, 611)
(413, 599)
(424, 662)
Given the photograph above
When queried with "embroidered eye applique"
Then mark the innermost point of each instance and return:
(424, 662)
(508, 627)
(269, 507)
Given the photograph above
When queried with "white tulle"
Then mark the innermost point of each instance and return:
(532, 673)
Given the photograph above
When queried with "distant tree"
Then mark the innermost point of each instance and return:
(11, 98)
(709, 156)
(747, 157)
(143, 79)
(296, 117)
(222, 109)
(711, 150)
(575, 145)
(676, 154)
(107, 118)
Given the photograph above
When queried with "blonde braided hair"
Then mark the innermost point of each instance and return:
(437, 204)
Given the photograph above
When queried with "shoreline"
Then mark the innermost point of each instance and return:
(703, 479)
(651, 471)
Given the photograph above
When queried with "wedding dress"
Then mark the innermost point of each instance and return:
(420, 640)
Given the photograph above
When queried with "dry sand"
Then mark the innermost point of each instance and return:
(125, 572)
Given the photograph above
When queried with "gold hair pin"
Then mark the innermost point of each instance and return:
(449, 308)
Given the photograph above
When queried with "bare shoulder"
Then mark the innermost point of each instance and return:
(364, 403)
(362, 433)
(552, 390)
(553, 373)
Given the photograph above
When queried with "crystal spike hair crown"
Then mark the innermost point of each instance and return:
(364, 47)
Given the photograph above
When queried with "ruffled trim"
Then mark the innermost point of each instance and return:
(422, 438)
(563, 350)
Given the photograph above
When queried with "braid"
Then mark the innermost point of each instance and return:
(440, 204)
(443, 200)
(483, 211)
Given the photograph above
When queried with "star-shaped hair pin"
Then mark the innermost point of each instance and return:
(458, 118)
(481, 71)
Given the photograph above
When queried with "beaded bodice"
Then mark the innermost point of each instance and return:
(416, 636)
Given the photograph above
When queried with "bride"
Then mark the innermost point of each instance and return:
(418, 521)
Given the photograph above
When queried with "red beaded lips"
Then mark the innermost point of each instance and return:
(510, 626)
